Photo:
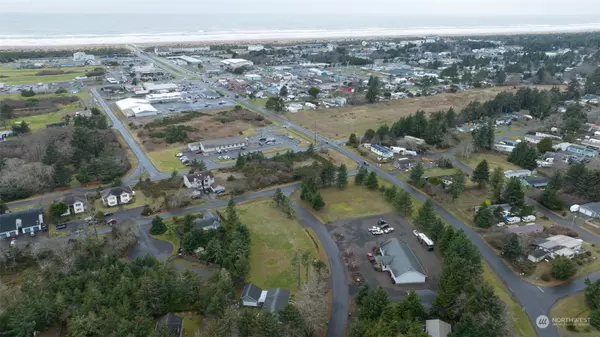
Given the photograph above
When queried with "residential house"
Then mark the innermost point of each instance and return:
(172, 322)
(251, 295)
(405, 163)
(382, 151)
(271, 300)
(504, 148)
(199, 180)
(414, 139)
(75, 203)
(547, 135)
(208, 221)
(517, 173)
(532, 139)
(116, 196)
(218, 145)
(399, 260)
(437, 328)
(581, 150)
(591, 209)
(556, 245)
(535, 182)
(26, 221)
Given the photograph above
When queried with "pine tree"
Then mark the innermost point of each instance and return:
(497, 184)
(278, 196)
(426, 215)
(550, 199)
(390, 193)
(232, 219)
(484, 217)
(403, 203)
(360, 177)
(342, 176)
(416, 173)
(458, 184)
(61, 176)
(445, 240)
(327, 173)
(353, 141)
(563, 268)
(437, 229)
(157, 226)
(51, 156)
(481, 174)
(513, 193)
(372, 183)
(512, 249)
(317, 201)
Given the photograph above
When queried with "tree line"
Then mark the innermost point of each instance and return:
(8, 56)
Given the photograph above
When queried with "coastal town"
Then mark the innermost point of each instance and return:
(429, 186)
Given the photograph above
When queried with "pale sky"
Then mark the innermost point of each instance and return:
(400, 7)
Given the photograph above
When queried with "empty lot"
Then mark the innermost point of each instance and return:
(10, 76)
(338, 123)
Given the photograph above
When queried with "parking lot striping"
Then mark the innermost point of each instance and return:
(540, 289)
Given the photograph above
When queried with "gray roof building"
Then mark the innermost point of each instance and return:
(208, 221)
(591, 209)
(251, 295)
(437, 328)
(172, 322)
(401, 262)
(10, 223)
(536, 182)
(115, 191)
(276, 299)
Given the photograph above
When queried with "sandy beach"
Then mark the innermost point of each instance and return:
(277, 36)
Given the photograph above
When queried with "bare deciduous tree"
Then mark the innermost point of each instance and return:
(312, 302)
(465, 148)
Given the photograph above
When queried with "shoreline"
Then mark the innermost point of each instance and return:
(282, 36)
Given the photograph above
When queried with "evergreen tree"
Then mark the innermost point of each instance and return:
(3, 207)
(437, 229)
(342, 176)
(373, 305)
(512, 249)
(403, 203)
(426, 215)
(524, 156)
(278, 196)
(545, 145)
(513, 193)
(390, 193)
(373, 90)
(551, 200)
(328, 173)
(458, 184)
(481, 174)
(497, 184)
(232, 218)
(445, 240)
(484, 217)
(353, 141)
(563, 268)
(372, 183)
(361, 176)
(61, 175)
(51, 156)
(595, 318)
(317, 201)
(416, 173)
(157, 227)
(283, 92)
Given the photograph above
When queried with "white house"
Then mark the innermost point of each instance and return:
(199, 180)
(117, 195)
(216, 145)
(556, 245)
(26, 221)
(83, 57)
(382, 151)
(517, 173)
(591, 209)
(76, 205)
(399, 260)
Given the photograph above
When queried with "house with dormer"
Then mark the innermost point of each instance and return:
(116, 196)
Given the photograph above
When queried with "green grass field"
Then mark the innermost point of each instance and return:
(574, 306)
(351, 202)
(165, 160)
(274, 238)
(27, 76)
(523, 326)
(494, 160)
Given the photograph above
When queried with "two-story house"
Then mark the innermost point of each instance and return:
(75, 203)
(116, 195)
(27, 221)
(199, 180)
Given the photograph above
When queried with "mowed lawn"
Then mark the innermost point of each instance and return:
(274, 239)
(351, 202)
(165, 160)
(523, 326)
(574, 306)
(494, 160)
(10, 76)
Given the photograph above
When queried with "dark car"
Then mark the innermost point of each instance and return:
(365, 163)
(108, 214)
(61, 225)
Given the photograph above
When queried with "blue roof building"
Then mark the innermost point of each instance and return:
(581, 150)
(382, 151)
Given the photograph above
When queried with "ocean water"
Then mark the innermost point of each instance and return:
(87, 29)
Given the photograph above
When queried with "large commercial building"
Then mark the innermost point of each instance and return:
(233, 64)
(160, 88)
(163, 98)
(135, 107)
(399, 260)
(216, 145)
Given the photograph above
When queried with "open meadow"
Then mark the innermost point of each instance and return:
(11, 76)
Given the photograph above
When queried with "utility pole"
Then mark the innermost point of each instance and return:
(315, 134)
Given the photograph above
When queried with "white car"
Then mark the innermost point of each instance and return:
(513, 220)
(528, 218)
(388, 230)
(290, 137)
(179, 155)
(374, 229)
(416, 233)
(500, 224)
(377, 232)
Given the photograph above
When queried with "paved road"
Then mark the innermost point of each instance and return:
(144, 162)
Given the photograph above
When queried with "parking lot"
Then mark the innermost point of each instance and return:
(353, 235)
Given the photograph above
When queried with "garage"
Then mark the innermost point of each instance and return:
(399, 260)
